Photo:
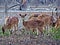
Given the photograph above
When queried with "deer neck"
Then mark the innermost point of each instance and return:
(23, 21)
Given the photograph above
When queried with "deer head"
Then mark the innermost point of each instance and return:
(22, 16)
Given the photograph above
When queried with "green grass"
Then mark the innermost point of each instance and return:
(33, 33)
(7, 33)
(1, 34)
(55, 33)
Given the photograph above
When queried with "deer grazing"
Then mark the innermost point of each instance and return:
(11, 24)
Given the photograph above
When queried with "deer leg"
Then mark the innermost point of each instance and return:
(41, 30)
(10, 31)
(14, 28)
(56, 26)
(3, 30)
(37, 31)
(45, 27)
(48, 29)
(25, 30)
(17, 27)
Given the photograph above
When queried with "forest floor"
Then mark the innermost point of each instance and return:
(19, 38)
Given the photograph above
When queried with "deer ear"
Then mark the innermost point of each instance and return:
(19, 14)
(25, 14)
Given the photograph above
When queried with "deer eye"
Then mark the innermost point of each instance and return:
(25, 14)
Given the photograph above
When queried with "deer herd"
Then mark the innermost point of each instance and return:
(38, 22)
